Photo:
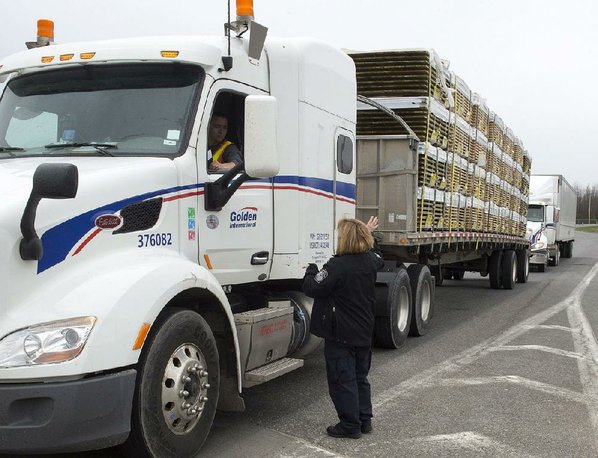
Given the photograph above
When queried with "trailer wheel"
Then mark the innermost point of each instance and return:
(177, 387)
(458, 274)
(509, 269)
(494, 269)
(570, 250)
(391, 330)
(522, 266)
(422, 298)
(439, 274)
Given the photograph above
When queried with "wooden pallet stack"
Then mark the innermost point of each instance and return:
(473, 173)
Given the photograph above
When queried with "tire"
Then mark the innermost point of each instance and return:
(522, 266)
(458, 274)
(422, 298)
(554, 262)
(494, 269)
(568, 250)
(509, 269)
(439, 274)
(392, 329)
(180, 345)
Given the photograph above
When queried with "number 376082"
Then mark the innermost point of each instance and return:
(160, 239)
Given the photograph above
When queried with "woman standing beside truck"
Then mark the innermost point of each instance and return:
(343, 314)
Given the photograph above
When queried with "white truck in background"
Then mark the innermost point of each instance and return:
(551, 219)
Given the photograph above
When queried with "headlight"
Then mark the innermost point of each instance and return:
(538, 246)
(53, 342)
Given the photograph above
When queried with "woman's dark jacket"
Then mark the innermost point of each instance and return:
(344, 297)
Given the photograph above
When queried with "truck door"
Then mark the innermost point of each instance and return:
(344, 177)
(235, 243)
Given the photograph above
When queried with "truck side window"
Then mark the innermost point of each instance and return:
(344, 154)
(225, 132)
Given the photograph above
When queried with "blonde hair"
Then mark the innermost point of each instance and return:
(354, 237)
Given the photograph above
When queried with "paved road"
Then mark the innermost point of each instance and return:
(501, 373)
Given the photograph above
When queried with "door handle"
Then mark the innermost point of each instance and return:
(259, 258)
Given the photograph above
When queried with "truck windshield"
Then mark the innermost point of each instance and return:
(124, 109)
(536, 213)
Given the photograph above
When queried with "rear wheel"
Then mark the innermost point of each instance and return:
(555, 260)
(458, 274)
(509, 269)
(494, 269)
(568, 250)
(177, 387)
(391, 329)
(522, 266)
(422, 295)
(439, 274)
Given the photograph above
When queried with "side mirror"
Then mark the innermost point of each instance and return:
(50, 181)
(260, 145)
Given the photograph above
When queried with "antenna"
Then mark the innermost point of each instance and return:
(244, 23)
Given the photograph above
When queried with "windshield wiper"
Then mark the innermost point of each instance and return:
(8, 149)
(99, 147)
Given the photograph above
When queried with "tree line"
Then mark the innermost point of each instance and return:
(587, 204)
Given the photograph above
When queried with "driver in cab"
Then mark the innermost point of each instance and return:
(222, 153)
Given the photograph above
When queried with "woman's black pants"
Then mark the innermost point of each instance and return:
(347, 369)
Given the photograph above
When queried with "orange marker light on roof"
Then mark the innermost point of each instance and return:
(47, 59)
(64, 57)
(45, 28)
(87, 55)
(245, 8)
(169, 53)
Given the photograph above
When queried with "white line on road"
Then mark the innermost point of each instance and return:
(549, 326)
(469, 440)
(383, 401)
(569, 395)
(544, 348)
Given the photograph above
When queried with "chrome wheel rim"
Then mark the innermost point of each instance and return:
(403, 314)
(184, 388)
(426, 296)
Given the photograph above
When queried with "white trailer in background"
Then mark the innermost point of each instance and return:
(551, 219)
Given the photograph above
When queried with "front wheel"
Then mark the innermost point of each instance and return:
(177, 387)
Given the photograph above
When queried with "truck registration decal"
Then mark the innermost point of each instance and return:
(159, 239)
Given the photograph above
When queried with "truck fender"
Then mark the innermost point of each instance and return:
(123, 293)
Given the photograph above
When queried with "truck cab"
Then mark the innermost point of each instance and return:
(551, 219)
(541, 234)
(141, 290)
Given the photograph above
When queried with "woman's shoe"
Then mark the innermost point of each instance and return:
(338, 431)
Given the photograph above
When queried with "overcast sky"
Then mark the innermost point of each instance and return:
(535, 61)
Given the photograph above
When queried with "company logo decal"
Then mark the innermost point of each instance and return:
(212, 222)
(108, 221)
(246, 217)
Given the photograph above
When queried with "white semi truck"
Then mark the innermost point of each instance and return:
(141, 291)
(551, 220)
